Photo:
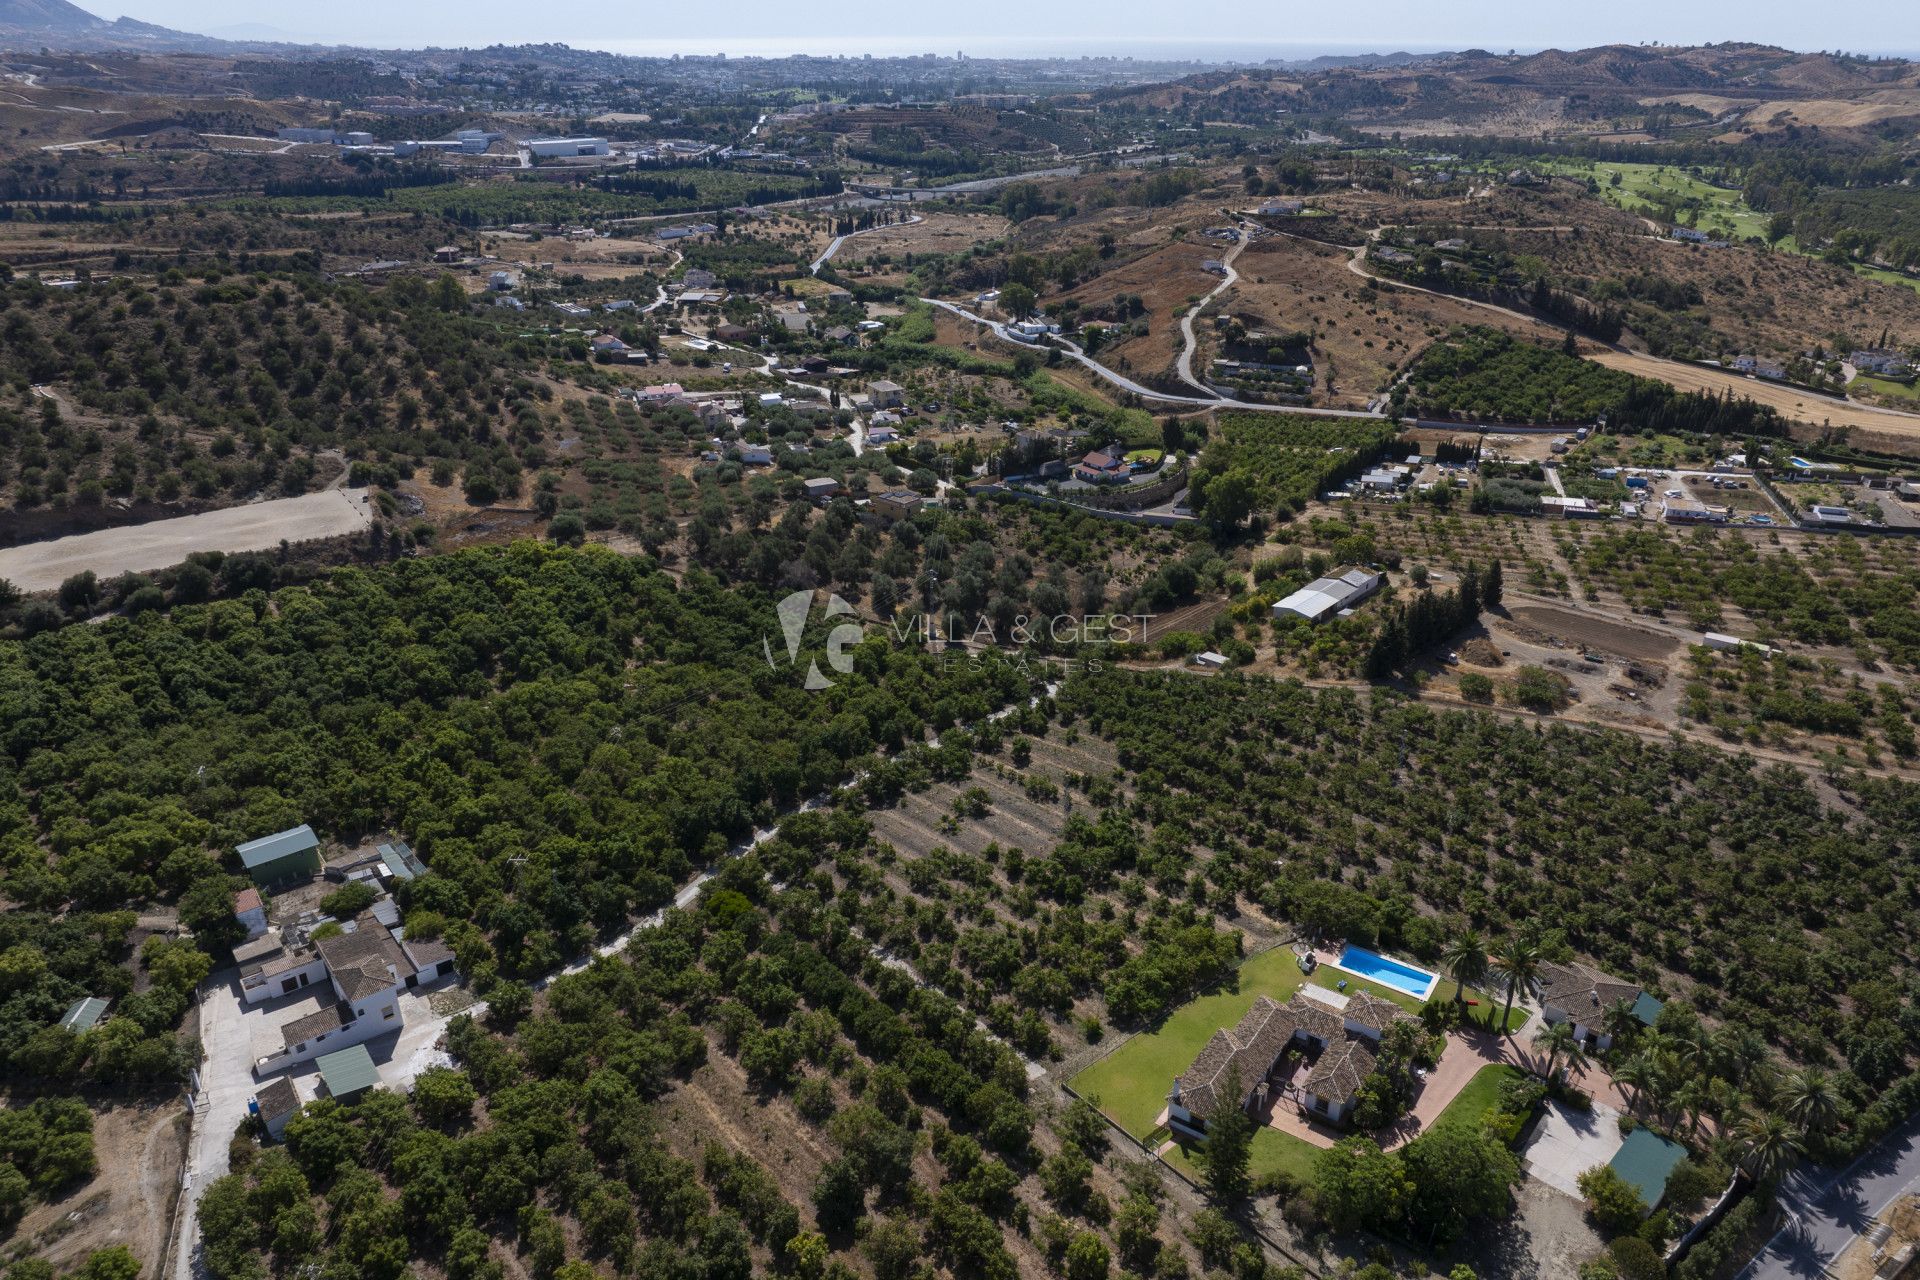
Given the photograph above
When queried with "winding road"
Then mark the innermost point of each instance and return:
(1073, 352)
(1228, 278)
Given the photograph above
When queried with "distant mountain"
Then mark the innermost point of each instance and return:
(33, 23)
(54, 17)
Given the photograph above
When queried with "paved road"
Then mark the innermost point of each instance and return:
(1825, 1211)
(1075, 354)
(160, 544)
(813, 268)
(1228, 278)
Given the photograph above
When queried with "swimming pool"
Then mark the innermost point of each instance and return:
(1361, 962)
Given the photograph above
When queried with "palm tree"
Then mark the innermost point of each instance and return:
(1619, 1022)
(1634, 1074)
(1465, 958)
(1769, 1144)
(1519, 963)
(1738, 1051)
(1811, 1101)
(1576, 1061)
(1556, 1038)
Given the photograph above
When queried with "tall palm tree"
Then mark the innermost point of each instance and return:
(1556, 1039)
(1738, 1052)
(1466, 960)
(1575, 1060)
(1619, 1022)
(1769, 1144)
(1810, 1099)
(1635, 1074)
(1518, 961)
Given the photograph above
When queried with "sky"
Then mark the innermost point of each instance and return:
(1021, 28)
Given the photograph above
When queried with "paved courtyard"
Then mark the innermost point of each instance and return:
(1566, 1143)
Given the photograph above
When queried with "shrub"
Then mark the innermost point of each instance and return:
(1611, 1199)
(349, 900)
(1538, 689)
(1475, 687)
(1635, 1259)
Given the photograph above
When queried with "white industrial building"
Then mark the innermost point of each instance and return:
(554, 148)
(1324, 597)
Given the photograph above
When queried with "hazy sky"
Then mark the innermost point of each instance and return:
(1016, 27)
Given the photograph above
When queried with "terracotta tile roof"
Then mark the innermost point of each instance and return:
(304, 1029)
(1341, 1069)
(1374, 1011)
(1253, 1046)
(246, 900)
(278, 1099)
(1581, 989)
(365, 961)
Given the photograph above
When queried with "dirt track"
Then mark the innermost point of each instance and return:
(43, 566)
(1797, 405)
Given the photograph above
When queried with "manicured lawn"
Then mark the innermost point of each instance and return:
(1272, 1152)
(1478, 1098)
(1132, 1082)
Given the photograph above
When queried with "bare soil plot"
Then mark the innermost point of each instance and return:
(1165, 281)
(1595, 633)
(1364, 333)
(141, 1148)
(935, 233)
(259, 526)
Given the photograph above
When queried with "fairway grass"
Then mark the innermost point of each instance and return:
(1132, 1082)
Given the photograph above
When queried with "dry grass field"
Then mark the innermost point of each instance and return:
(1814, 411)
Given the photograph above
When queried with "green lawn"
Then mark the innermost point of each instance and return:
(1886, 387)
(1272, 1152)
(1479, 1097)
(1131, 1083)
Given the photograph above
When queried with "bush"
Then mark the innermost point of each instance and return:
(1538, 689)
(1475, 687)
(349, 900)
(1635, 1259)
(1611, 1199)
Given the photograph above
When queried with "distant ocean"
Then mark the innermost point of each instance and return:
(1146, 49)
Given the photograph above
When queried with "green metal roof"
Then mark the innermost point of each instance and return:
(1644, 1160)
(1647, 1009)
(257, 853)
(83, 1014)
(348, 1071)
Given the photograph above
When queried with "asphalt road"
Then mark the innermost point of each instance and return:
(1826, 1210)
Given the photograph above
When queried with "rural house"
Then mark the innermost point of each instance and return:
(1313, 1050)
(1582, 995)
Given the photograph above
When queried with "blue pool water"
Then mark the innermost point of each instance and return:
(1417, 983)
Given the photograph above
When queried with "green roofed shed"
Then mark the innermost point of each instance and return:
(348, 1073)
(83, 1014)
(1644, 1161)
(1647, 1010)
(285, 855)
